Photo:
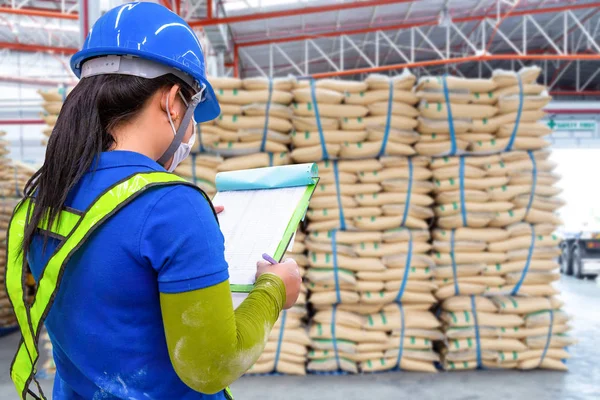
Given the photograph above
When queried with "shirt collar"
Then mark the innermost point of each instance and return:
(121, 158)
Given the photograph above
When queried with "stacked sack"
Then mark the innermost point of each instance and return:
(369, 274)
(484, 115)
(253, 130)
(53, 100)
(494, 244)
(286, 349)
(336, 119)
(495, 224)
(13, 177)
(504, 332)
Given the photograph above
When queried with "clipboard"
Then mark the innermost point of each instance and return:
(263, 208)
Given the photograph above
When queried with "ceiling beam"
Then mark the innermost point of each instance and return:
(431, 22)
(295, 12)
(32, 48)
(38, 12)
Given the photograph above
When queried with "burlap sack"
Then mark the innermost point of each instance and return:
(418, 173)
(257, 83)
(383, 95)
(503, 78)
(380, 199)
(387, 222)
(381, 108)
(244, 97)
(224, 135)
(431, 126)
(50, 119)
(354, 166)
(456, 208)
(230, 149)
(524, 229)
(508, 104)
(325, 260)
(520, 143)
(469, 183)
(55, 94)
(530, 89)
(324, 96)
(232, 109)
(318, 203)
(235, 122)
(377, 133)
(330, 364)
(330, 110)
(258, 160)
(327, 178)
(402, 186)
(461, 111)
(52, 107)
(188, 170)
(404, 81)
(307, 138)
(472, 196)
(453, 171)
(310, 124)
(329, 214)
(254, 109)
(396, 122)
(372, 149)
(337, 85)
(406, 364)
(508, 192)
(456, 83)
(267, 364)
(225, 83)
(315, 153)
(535, 129)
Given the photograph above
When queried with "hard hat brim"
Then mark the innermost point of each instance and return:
(207, 110)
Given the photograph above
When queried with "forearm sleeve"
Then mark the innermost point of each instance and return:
(210, 345)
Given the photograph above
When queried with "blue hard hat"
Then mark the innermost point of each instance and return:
(152, 32)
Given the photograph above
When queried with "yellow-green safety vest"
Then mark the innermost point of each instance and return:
(72, 228)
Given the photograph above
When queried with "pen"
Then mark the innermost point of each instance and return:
(269, 259)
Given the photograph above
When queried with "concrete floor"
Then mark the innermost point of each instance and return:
(582, 382)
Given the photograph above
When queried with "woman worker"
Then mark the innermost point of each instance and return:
(132, 281)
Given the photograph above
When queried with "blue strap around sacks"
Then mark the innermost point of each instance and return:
(280, 339)
(402, 331)
(513, 136)
(263, 143)
(313, 95)
(477, 337)
(406, 268)
(449, 117)
(517, 287)
(388, 120)
(408, 191)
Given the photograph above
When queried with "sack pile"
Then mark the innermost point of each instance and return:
(482, 116)
(52, 103)
(336, 119)
(495, 224)
(13, 177)
(253, 130)
(369, 272)
(286, 349)
(504, 332)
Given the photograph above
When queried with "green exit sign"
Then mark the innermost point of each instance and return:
(572, 125)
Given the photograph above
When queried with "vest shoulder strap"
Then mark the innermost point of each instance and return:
(73, 228)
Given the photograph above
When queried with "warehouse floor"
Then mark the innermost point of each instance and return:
(581, 383)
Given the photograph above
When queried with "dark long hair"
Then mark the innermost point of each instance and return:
(93, 109)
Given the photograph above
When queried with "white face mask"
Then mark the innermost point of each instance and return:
(184, 149)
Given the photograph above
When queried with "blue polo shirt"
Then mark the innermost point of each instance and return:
(105, 325)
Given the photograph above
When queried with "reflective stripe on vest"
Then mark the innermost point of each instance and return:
(75, 229)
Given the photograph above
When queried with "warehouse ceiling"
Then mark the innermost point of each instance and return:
(352, 38)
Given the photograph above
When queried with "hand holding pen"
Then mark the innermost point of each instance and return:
(287, 271)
